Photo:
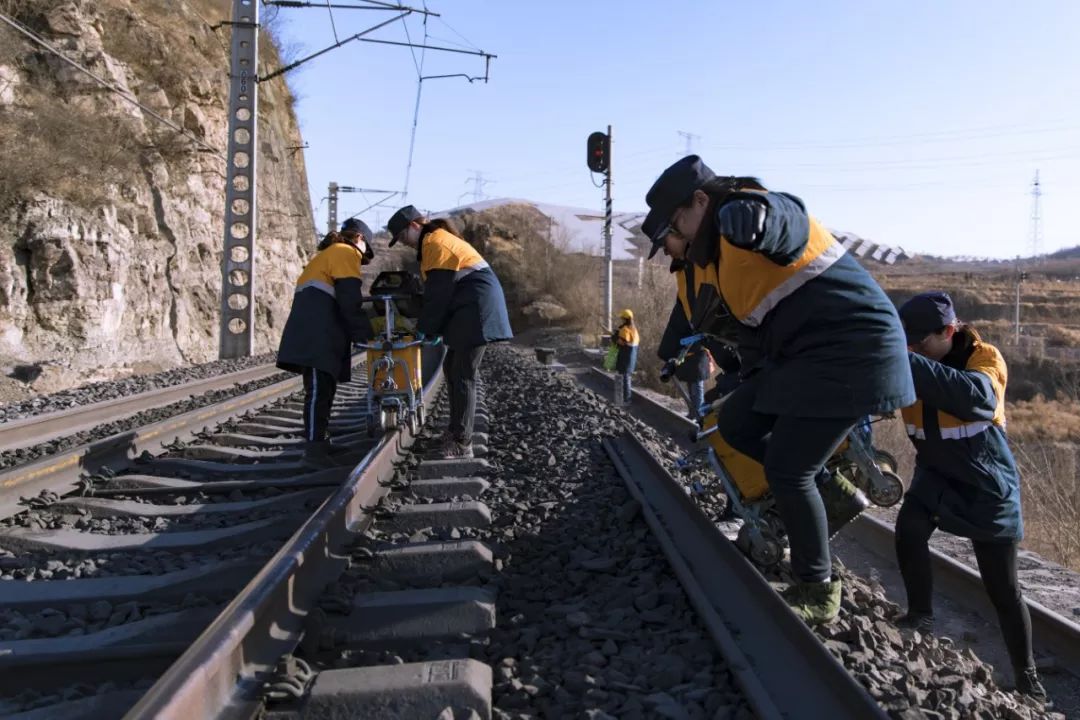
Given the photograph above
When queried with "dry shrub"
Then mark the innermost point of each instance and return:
(1063, 336)
(31, 13)
(1051, 500)
(1044, 420)
(60, 150)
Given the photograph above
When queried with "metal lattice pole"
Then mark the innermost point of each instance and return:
(238, 264)
(331, 207)
(607, 238)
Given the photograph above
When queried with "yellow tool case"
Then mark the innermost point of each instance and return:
(403, 358)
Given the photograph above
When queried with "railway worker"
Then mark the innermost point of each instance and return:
(463, 303)
(627, 338)
(832, 351)
(965, 480)
(699, 364)
(326, 317)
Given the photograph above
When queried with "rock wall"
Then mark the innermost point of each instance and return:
(111, 224)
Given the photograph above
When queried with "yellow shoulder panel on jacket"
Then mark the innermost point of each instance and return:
(446, 251)
(342, 261)
(987, 359)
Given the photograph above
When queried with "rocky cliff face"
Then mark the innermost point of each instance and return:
(111, 223)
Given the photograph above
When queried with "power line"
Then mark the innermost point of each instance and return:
(478, 182)
(938, 136)
(690, 138)
(37, 40)
(333, 25)
(1036, 217)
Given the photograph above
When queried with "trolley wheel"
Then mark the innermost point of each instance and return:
(763, 548)
(767, 553)
(774, 523)
(742, 540)
(389, 419)
(887, 492)
(421, 414)
(885, 461)
(413, 424)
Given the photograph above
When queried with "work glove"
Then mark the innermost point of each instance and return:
(436, 341)
(742, 222)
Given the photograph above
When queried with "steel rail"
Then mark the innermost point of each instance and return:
(962, 583)
(221, 673)
(782, 667)
(49, 426)
(1049, 630)
(61, 472)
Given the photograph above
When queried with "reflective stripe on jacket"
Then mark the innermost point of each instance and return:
(326, 315)
(754, 285)
(829, 338)
(463, 299)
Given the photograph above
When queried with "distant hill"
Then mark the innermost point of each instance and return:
(1072, 253)
(582, 230)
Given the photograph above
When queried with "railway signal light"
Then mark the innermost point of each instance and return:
(599, 152)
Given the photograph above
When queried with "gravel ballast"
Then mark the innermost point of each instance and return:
(20, 456)
(577, 560)
(112, 389)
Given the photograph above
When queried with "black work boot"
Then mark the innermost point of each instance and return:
(1027, 683)
(843, 501)
(317, 455)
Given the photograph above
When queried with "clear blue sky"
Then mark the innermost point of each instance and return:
(918, 124)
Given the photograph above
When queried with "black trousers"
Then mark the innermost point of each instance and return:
(319, 389)
(460, 367)
(997, 566)
(793, 451)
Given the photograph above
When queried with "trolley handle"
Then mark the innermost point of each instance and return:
(389, 345)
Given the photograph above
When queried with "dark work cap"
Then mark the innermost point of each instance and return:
(673, 188)
(354, 225)
(400, 220)
(655, 229)
(926, 313)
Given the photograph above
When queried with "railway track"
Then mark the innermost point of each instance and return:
(42, 428)
(531, 581)
(1053, 634)
(1051, 630)
(114, 558)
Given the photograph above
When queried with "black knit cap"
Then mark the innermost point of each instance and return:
(400, 220)
(670, 191)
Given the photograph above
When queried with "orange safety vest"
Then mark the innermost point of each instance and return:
(752, 284)
(443, 250)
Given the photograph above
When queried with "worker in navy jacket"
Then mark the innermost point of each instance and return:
(326, 317)
(831, 347)
(966, 482)
(463, 304)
